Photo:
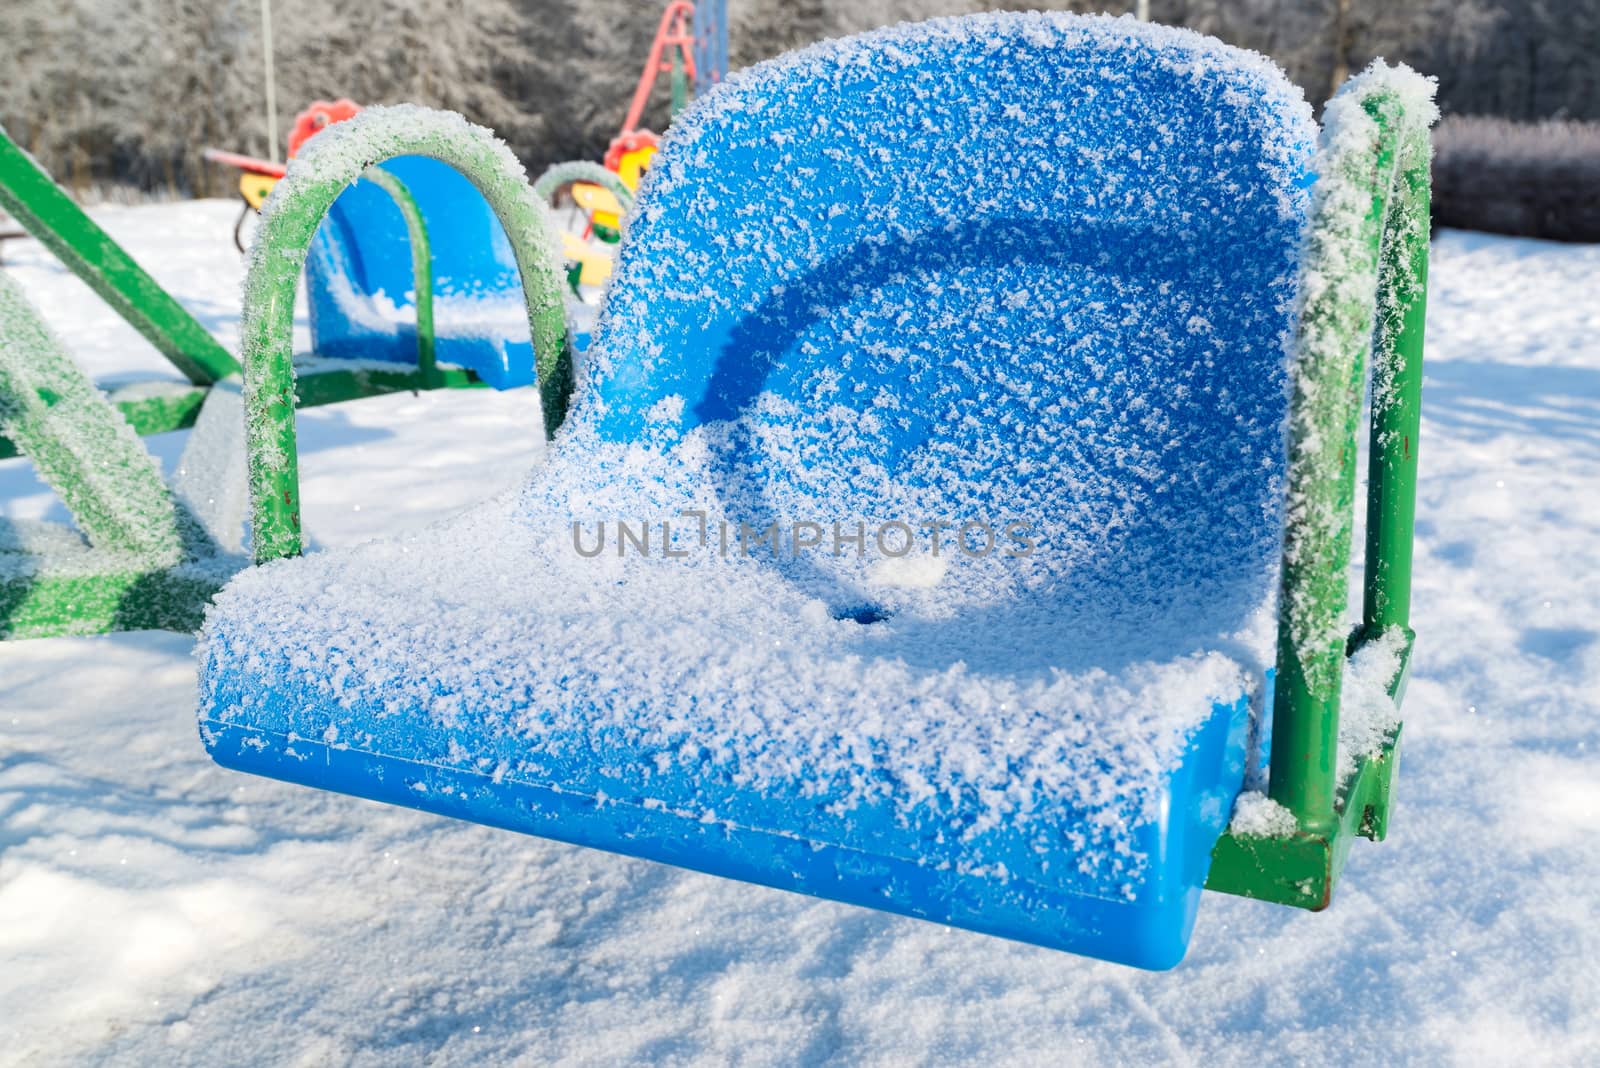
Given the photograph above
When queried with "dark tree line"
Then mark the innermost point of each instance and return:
(131, 90)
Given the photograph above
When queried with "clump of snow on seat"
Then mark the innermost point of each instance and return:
(1255, 815)
(1367, 712)
(1368, 717)
(922, 570)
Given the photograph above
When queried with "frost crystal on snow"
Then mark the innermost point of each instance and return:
(1255, 815)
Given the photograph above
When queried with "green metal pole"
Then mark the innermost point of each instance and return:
(79, 444)
(335, 159)
(46, 212)
(1363, 287)
(1397, 401)
(1334, 334)
(679, 82)
(421, 268)
(582, 170)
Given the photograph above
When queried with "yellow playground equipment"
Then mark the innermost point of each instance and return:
(593, 200)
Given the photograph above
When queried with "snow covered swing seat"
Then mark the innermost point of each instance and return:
(912, 537)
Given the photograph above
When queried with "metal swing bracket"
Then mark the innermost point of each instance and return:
(1370, 253)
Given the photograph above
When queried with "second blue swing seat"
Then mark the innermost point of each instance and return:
(1018, 283)
(361, 293)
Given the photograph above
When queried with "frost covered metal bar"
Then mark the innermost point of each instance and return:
(582, 170)
(79, 444)
(421, 267)
(135, 572)
(1397, 400)
(335, 159)
(1335, 330)
(1364, 287)
(46, 212)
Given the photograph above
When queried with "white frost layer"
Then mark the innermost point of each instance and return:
(1340, 271)
(493, 624)
(211, 476)
(1367, 714)
(1255, 815)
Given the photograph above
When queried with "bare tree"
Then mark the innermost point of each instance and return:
(131, 90)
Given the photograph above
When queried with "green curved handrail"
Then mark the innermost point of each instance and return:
(1365, 271)
(335, 159)
(582, 170)
(421, 267)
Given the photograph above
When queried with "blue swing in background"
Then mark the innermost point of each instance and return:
(359, 275)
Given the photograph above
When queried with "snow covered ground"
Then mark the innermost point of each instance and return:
(156, 909)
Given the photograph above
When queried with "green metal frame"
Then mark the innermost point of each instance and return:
(319, 382)
(29, 195)
(107, 585)
(142, 560)
(110, 593)
(421, 268)
(559, 175)
(582, 170)
(298, 204)
(1371, 255)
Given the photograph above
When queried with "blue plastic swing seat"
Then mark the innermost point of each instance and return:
(1020, 283)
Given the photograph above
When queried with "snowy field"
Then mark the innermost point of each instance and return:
(156, 909)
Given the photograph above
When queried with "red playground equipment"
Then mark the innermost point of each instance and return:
(258, 176)
(317, 116)
(671, 53)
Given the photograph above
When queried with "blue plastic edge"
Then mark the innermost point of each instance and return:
(1146, 934)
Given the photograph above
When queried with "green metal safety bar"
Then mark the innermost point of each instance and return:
(29, 195)
(337, 157)
(421, 268)
(1380, 232)
(582, 170)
